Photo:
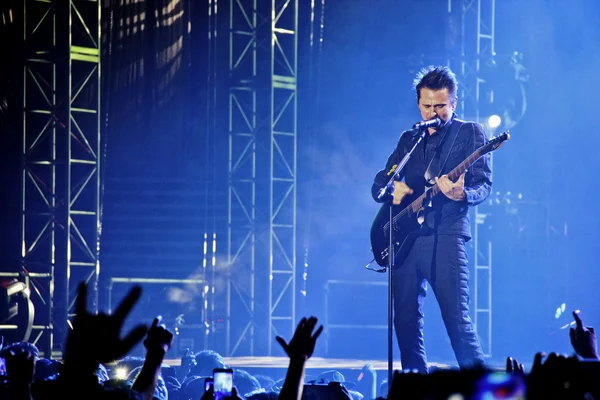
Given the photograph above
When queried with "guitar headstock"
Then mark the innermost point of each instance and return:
(497, 141)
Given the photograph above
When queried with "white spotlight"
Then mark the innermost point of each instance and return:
(121, 373)
(494, 121)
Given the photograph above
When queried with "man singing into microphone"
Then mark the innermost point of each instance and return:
(438, 256)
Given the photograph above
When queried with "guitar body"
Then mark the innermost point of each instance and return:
(404, 233)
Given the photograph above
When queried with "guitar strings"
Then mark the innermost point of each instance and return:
(435, 188)
(460, 168)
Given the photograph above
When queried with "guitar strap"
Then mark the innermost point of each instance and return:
(434, 168)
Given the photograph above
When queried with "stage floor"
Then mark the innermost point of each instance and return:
(313, 363)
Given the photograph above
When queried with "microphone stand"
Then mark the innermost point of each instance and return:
(389, 189)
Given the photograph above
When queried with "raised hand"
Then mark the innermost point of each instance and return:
(97, 338)
(583, 339)
(188, 360)
(556, 377)
(299, 349)
(157, 343)
(367, 381)
(513, 367)
(303, 342)
(159, 338)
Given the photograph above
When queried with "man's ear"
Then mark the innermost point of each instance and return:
(454, 103)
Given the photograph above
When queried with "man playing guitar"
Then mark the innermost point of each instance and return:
(438, 254)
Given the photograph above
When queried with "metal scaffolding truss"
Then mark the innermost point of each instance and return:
(262, 169)
(283, 141)
(60, 221)
(242, 224)
(478, 48)
(478, 31)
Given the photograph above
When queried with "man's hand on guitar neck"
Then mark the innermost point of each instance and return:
(452, 190)
(401, 189)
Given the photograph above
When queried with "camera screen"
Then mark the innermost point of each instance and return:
(223, 383)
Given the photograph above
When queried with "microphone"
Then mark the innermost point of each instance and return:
(430, 123)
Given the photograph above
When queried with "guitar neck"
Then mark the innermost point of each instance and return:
(453, 175)
(491, 145)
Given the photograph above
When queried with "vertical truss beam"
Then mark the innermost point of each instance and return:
(241, 240)
(60, 157)
(83, 149)
(262, 116)
(468, 97)
(283, 169)
(478, 47)
(486, 16)
(39, 196)
(478, 29)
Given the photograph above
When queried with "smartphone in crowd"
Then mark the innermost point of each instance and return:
(222, 383)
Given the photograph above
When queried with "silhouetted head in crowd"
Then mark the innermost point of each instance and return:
(244, 382)
(330, 376)
(192, 388)
(206, 361)
(126, 366)
(266, 382)
(20, 346)
(263, 396)
(44, 367)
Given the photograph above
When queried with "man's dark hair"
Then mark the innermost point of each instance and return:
(436, 78)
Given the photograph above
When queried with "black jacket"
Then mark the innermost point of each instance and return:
(445, 216)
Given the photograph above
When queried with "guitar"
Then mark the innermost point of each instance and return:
(406, 217)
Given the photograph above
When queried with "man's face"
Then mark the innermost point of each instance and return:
(434, 103)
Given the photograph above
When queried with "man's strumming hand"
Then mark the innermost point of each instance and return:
(401, 189)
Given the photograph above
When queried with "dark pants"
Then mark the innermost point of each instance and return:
(440, 260)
